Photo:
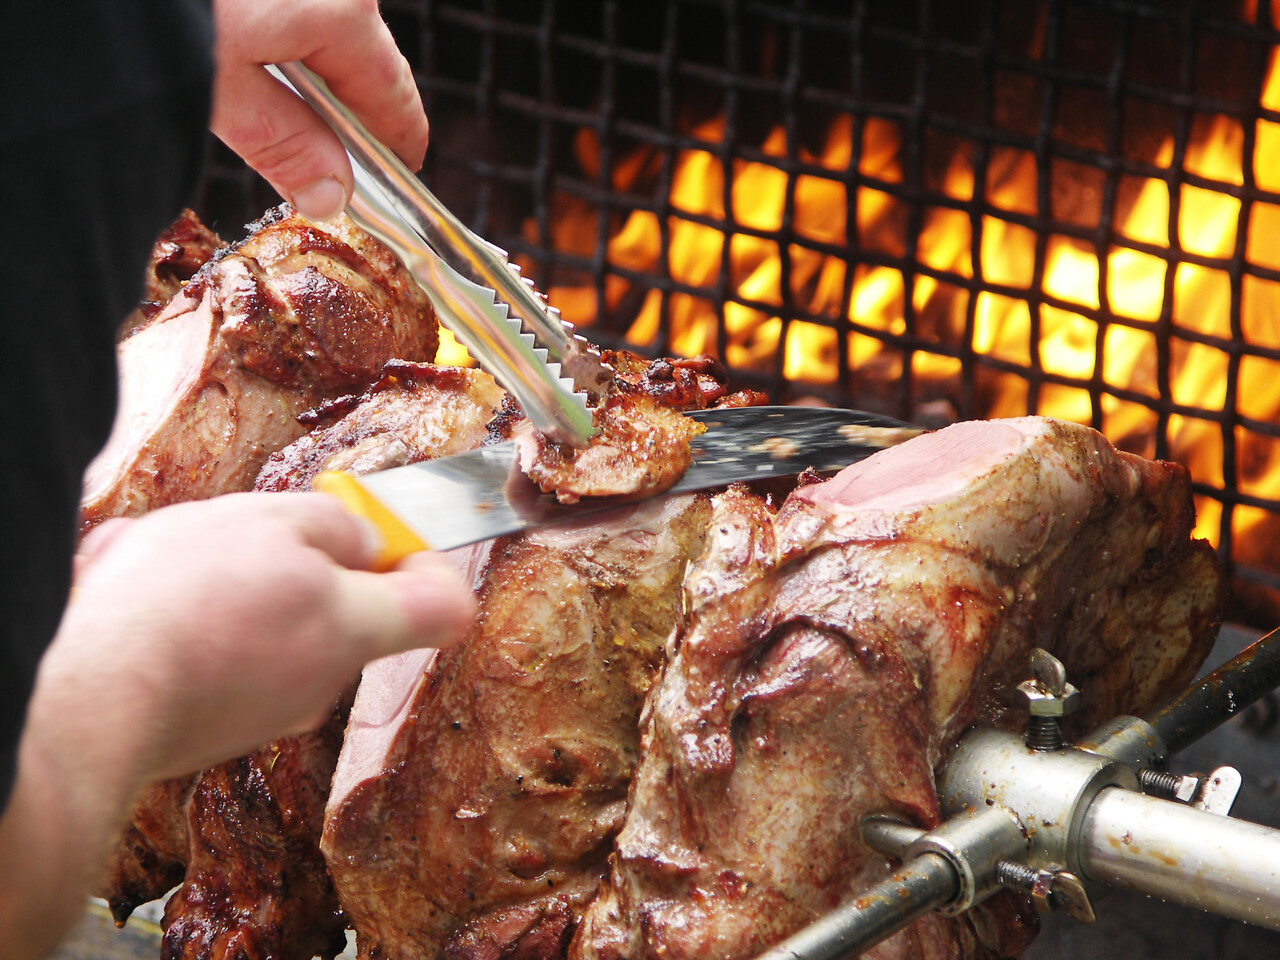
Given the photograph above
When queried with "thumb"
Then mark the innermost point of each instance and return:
(283, 139)
(423, 603)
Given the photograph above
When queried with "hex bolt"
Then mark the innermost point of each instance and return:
(1168, 786)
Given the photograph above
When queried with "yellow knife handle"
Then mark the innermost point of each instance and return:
(398, 541)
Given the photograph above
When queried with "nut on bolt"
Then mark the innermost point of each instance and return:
(1049, 698)
(1045, 703)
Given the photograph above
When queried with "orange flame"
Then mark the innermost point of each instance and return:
(1094, 317)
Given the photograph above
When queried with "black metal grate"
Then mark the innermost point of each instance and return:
(559, 126)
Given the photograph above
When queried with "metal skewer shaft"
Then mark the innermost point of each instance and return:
(925, 883)
(1219, 696)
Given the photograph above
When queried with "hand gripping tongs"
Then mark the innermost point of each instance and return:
(506, 325)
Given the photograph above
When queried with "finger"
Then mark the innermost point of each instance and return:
(371, 77)
(385, 613)
(348, 44)
(98, 540)
(316, 519)
(283, 139)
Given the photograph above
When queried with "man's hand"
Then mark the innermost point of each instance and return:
(237, 620)
(194, 634)
(346, 43)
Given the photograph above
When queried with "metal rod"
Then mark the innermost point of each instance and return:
(1219, 696)
(1184, 855)
(891, 837)
(928, 882)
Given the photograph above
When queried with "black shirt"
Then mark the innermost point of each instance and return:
(102, 131)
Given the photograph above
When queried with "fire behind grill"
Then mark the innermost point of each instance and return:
(592, 139)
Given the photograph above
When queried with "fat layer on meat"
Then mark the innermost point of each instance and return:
(255, 885)
(834, 653)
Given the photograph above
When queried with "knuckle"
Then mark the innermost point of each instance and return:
(288, 158)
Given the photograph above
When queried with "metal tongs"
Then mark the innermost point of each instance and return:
(478, 294)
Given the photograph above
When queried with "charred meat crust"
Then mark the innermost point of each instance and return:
(416, 411)
(642, 444)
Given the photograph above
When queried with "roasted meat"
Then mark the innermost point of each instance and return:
(834, 652)
(478, 790)
(640, 448)
(415, 412)
(255, 885)
(182, 248)
(294, 315)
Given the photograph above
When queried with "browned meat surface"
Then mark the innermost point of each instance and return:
(255, 883)
(477, 794)
(417, 411)
(690, 384)
(833, 653)
(641, 447)
(643, 443)
(151, 858)
(294, 315)
(184, 247)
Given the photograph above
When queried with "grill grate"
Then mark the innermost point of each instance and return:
(595, 110)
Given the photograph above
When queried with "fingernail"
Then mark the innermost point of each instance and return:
(321, 199)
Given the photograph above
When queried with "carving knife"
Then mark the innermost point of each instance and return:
(453, 501)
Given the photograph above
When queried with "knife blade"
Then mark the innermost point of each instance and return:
(453, 501)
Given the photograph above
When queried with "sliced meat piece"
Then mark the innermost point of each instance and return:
(833, 654)
(643, 444)
(478, 791)
(294, 315)
(255, 884)
(417, 411)
(641, 447)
